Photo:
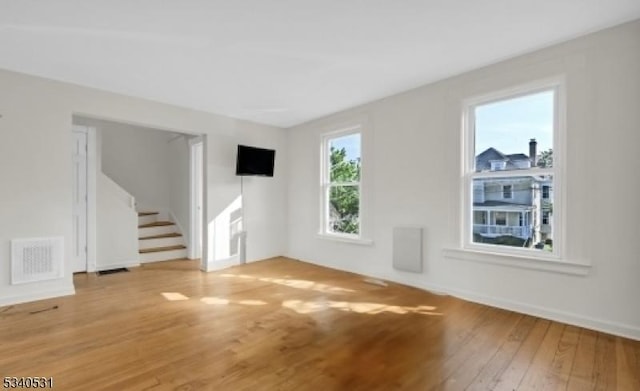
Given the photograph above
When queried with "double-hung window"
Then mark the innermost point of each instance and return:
(341, 184)
(511, 150)
(507, 191)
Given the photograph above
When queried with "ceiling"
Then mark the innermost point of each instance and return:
(282, 62)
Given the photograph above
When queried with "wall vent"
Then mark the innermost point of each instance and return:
(407, 249)
(36, 259)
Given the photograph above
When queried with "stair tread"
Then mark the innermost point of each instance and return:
(169, 235)
(156, 224)
(147, 213)
(159, 249)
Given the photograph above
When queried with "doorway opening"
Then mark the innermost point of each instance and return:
(148, 190)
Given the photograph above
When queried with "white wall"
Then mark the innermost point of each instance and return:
(137, 159)
(35, 166)
(116, 227)
(268, 195)
(416, 165)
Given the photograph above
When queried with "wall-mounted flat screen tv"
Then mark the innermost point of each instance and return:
(255, 161)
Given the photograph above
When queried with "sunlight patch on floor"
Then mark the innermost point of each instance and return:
(214, 301)
(174, 296)
(307, 307)
(252, 302)
(221, 301)
(293, 283)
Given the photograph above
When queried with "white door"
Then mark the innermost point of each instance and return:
(195, 248)
(79, 250)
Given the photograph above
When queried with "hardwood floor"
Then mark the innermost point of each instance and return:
(281, 324)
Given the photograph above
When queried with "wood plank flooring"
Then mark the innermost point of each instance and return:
(281, 324)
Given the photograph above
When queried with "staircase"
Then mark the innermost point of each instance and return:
(158, 240)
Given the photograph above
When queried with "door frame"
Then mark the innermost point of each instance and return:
(91, 193)
(197, 222)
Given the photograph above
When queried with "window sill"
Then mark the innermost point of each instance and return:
(519, 261)
(346, 239)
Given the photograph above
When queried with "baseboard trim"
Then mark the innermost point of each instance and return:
(605, 326)
(117, 265)
(5, 301)
(615, 328)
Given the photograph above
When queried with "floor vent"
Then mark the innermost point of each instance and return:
(36, 259)
(112, 271)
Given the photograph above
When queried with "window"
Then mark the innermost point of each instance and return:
(507, 191)
(498, 165)
(545, 192)
(510, 140)
(501, 218)
(341, 183)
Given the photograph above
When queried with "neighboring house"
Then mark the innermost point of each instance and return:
(517, 206)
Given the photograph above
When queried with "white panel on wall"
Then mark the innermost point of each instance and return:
(407, 249)
(36, 259)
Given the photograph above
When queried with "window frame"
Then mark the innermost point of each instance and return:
(558, 86)
(326, 184)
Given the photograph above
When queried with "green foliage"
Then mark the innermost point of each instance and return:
(546, 159)
(343, 170)
(344, 200)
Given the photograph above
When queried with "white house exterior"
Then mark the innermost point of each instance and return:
(516, 206)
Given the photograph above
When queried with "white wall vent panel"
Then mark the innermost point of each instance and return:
(36, 259)
(407, 249)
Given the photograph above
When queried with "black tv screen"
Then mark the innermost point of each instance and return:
(255, 161)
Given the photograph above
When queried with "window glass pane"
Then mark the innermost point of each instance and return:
(545, 192)
(515, 134)
(344, 157)
(344, 209)
(523, 220)
(507, 191)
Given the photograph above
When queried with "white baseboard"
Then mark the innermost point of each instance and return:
(223, 263)
(5, 301)
(135, 263)
(605, 326)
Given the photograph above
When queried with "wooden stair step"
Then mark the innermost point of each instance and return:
(157, 224)
(170, 235)
(159, 249)
(140, 214)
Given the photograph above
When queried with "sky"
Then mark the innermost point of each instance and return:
(351, 143)
(508, 125)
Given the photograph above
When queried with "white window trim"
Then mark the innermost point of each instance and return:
(558, 85)
(355, 127)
